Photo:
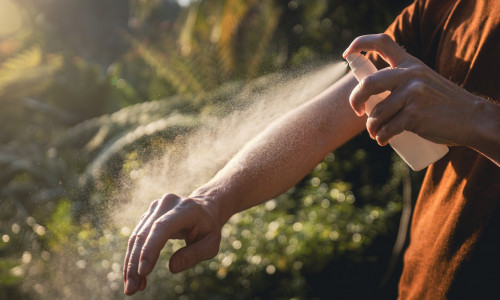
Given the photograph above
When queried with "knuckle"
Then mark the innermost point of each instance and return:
(191, 205)
(153, 204)
(417, 71)
(144, 215)
(357, 40)
(371, 124)
(384, 38)
(164, 202)
(159, 223)
(189, 201)
(140, 238)
(168, 198)
(412, 110)
(376, 112)
(131, 241)
(367, 82)
(413, 114)
(131, 265)
(417, 87)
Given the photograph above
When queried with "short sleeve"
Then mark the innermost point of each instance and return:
(405, 30)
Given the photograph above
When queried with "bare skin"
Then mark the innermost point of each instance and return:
(424, 102)
(270, 164)
(421, 101)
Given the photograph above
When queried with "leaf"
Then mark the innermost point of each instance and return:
(26, 72)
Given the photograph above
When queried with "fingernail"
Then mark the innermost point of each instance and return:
(130, 286)
(143, 267)
(345, 52)
(381, 143)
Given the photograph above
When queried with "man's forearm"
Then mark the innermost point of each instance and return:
(285, 152)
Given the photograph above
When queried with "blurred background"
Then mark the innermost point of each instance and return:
(93, 91)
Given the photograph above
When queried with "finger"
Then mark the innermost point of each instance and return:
(188, 256)
(131, 240)
(143, 284)
(381, 81)
(382, 44)
(385, 110)
(168, 225)
(131, 243)
(133, 279)
(395, 126)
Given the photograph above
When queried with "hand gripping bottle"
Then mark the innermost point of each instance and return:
(416, 151)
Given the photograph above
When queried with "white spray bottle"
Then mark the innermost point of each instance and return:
(416, 151)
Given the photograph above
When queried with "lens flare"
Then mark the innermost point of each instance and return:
(10, 17)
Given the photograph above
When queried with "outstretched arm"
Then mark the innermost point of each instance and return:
(267, 166)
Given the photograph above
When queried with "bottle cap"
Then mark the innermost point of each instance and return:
(356, 60)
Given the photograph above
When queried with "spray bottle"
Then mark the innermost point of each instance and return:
(416, 151)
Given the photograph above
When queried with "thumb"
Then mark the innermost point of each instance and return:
(201, 250)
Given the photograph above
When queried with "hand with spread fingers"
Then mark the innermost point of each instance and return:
(172, 217)
(267, 166)
(421, 101)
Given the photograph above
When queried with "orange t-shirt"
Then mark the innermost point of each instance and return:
(454, 249)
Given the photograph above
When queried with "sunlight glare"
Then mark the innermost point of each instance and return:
(184, 3)
(10, 17)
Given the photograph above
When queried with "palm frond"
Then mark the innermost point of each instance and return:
(231, 18)
(270, 22)
(169, 128)
(92, 133)
(26, 72)
(186, 37)
(174, 68)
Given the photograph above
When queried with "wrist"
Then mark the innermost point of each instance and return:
(218, 200)
(486, 135)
